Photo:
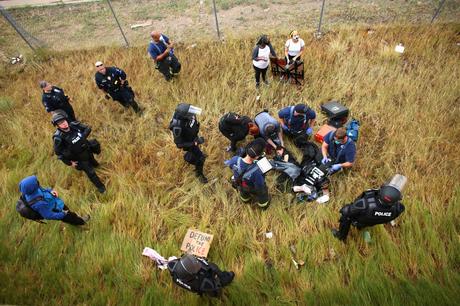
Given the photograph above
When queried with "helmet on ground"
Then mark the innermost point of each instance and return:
(187, 267)
(58, 116)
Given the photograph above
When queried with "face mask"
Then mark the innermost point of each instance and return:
(337, 142)
(296, 37)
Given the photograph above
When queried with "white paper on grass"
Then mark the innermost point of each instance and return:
(264, 165)
(399, 48)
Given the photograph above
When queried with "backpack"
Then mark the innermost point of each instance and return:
(243, 177)
(353, 129)
(26, 211)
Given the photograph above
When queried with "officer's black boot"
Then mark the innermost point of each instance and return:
(199, 173)
(97, 182)
(136, 107)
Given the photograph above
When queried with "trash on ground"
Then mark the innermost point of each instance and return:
(141, 25)
(400, 48)
(323, 199)
(269, 235)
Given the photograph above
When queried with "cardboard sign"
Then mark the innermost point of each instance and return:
(197, 243)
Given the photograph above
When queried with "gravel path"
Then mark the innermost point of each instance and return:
(19, 3)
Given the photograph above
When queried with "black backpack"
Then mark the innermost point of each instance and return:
(25, 210)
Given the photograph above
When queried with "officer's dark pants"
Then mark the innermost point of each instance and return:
(259, 195)
(194, 156)
(234, 137)
(68, 109)
(125, 96)
(169, 65)
(344, 227)
(72, 218)
(88, 167)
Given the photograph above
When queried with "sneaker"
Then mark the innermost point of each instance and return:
(101, 189)
(86, 218)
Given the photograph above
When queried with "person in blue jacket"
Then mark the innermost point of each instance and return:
(247, 178)
(161, 49)
(339, 150)
(47, 203)
(297, 120)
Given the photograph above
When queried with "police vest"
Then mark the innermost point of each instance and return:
(375, 211)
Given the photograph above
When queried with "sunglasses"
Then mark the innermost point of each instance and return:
(99, 65)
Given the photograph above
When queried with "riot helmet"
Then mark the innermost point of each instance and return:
(185, 110)
(390, 193)
(58, 116)
(187, 267)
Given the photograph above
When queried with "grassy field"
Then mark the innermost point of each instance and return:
(409, 109)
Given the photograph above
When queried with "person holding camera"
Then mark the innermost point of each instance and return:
(37, 203)
(185, 128)
(161, 49)
(247, 177)
(72, 147)
(112, 81)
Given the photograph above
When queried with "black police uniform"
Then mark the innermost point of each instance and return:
(56, 99)
(110, 82)
(367, 210)
(208, 280)
(185, 132)
(74, 146)
(234, 127)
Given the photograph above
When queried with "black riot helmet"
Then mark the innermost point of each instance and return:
(186, 110)
(58, 116)
(391, 193)
(187, 267)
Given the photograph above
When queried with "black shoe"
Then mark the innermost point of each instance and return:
(226, 278)
(101, 189)
(202, 178)
(336, 234)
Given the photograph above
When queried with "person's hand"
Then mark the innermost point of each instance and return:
(336, 167)
(325, 160)
(74, 163)
(54, 193)
(309, 131)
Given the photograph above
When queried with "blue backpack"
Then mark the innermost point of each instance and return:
(353, 129)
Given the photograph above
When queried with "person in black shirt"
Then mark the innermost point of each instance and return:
(53, 99)
(197, 275)
(185, 128)
(72, 147)
(112, 81)
(236, 128)
(372, 207)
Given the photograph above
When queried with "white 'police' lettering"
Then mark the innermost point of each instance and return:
(382, 214)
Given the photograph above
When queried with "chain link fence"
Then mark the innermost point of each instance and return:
(107, 23)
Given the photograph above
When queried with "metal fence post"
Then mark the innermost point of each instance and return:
(215, 16)
(15, 27)
(118, 23)
(318, 32)
(441, 4)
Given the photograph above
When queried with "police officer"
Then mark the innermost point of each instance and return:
(247, 178)
(297, 120)
(198, 275)
(185, 128)
(112, 81)
(374, 206)
(53, 98)
(236, 128)
(338, 150)
(74, 149)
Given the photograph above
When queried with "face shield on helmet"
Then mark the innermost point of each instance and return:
(187, 110)
(187, 267)
(391, 193)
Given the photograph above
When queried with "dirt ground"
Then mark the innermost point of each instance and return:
(84, 25)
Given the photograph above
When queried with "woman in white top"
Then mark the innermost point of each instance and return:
(260, 58)
(294, 47)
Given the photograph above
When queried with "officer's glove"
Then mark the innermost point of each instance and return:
(325, 160)
(200, 140)
(336, 167)
(107, 97)
(309, 131)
